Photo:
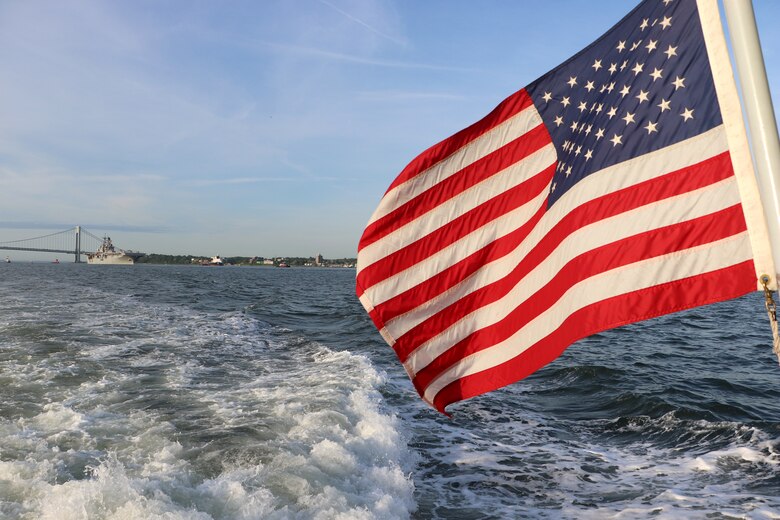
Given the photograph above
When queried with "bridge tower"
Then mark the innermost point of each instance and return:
(77, 252)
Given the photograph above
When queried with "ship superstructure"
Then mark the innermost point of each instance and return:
(107, 253)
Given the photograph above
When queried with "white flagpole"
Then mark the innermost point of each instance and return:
(759, 111)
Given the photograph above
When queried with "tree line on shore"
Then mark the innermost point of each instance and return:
(156, 258)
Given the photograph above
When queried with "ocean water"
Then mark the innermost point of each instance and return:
(160, 392)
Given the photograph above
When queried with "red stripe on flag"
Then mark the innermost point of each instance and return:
(457, 228)
(671, 184)
(434, 286)
(651, 244)
(511, 106)
(456, 184)
(715, 286)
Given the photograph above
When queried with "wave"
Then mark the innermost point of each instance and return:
(164, 411)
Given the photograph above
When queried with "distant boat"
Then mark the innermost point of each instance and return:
(56, 261)
(7, 260)
(284, 264)
(215, 261)
(108, 254)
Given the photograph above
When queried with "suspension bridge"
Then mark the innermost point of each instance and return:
(75, 241)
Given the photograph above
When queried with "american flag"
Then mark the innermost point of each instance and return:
(601, 194)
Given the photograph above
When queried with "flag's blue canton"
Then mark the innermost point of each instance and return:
(642, 86)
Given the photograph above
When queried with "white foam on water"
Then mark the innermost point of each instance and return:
(335, 453)
(549, 473)
(287, 429)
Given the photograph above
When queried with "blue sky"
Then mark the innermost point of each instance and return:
(262, 127)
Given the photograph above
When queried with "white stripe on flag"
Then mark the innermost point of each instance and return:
(458, 205)
(626, 279)
(475, 150)
(403, 280)
(666, 212)
(608, 180)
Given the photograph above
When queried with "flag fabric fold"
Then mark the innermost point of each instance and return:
(615, 188)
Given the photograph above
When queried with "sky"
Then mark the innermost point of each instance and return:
(267, 128)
